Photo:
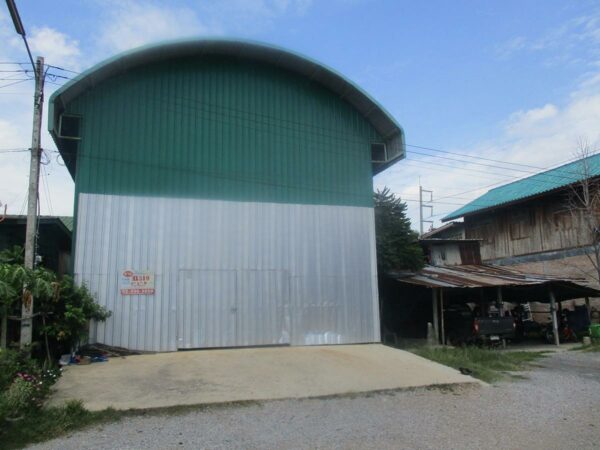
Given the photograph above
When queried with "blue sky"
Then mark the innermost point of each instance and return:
(514, 81)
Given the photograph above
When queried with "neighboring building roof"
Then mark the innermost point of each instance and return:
(67, 222)
(374, 113)
(532, 186)
(483, 276)
(64, 222)
(445, 231)
(433, 241)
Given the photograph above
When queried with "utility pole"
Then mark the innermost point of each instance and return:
(32, 199)
(34, 175)
(423, 206)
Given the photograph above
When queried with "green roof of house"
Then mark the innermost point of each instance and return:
(537, 184)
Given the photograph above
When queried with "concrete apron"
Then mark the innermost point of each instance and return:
(218, 376)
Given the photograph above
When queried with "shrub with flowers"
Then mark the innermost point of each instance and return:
(24, 384)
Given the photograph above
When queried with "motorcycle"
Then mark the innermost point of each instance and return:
(565, 332)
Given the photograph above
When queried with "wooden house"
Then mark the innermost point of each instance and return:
(531, 224)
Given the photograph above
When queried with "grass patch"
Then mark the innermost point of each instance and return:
(48, 423)
(51, 422)
(486, 364)
(594, 347)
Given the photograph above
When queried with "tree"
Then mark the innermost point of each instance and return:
(63, 309)
(397, 244)
(583, 204)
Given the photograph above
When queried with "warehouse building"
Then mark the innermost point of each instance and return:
(223, 196)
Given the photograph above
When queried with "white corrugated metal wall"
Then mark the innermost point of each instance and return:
(229, 273)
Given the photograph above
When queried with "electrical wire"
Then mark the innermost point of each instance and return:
(46, 187)
(61, 68)
(341, 137)
(16, 82)
(472, 156)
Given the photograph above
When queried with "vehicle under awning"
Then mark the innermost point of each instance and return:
(461, 283)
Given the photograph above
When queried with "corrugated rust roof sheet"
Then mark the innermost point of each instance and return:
(549, 180)
(476, 276)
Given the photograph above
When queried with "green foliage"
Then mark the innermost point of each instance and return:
(397, 245)
(62, 309)
(52, 422)
(13, 255)
(23, 384)
(69, 309)
(13, 362)
(17, 399)
(486, 364)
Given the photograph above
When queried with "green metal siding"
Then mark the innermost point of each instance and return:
(222, 128)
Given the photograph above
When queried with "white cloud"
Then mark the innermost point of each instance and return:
(57, 48)
(132, 23)
(536, 138)
(563, 44)
(526, 122)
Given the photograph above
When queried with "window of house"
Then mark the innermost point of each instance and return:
(70, 127)
(562, 220)
(482, 231)
(521, 224)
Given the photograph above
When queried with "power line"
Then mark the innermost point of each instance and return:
(16, 82)
(208, 108)
(47, 192)
(497, 183)
(420, 161)
(54, 76)
(489, 165)
(472, 156)
(13, 150)
(61, 68)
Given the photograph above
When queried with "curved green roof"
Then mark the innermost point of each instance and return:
(534, 185)
(373, 112)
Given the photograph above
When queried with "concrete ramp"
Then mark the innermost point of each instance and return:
(217, 376)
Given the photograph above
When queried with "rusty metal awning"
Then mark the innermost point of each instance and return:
(488, 276)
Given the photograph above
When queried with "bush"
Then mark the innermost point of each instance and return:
(19, 398)
(69, 310)
(13, 362)
(23, 384)
(62, 308)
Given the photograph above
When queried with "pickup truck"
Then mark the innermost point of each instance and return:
(462, 326)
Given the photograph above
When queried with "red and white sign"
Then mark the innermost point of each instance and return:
(137, 283)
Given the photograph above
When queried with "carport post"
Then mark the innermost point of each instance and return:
(499, 301)
(587, 306)
(434, 305)
(553, 315)
(442, 316)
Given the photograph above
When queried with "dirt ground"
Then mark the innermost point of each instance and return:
(555, 407)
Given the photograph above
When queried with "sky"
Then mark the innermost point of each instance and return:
(486, 92)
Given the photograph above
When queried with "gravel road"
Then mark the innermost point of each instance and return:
(557, 407)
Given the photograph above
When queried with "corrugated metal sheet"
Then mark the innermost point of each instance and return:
(229, 273)
(475, 276)
(223, 129)
(201, 49)
(537, 184)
